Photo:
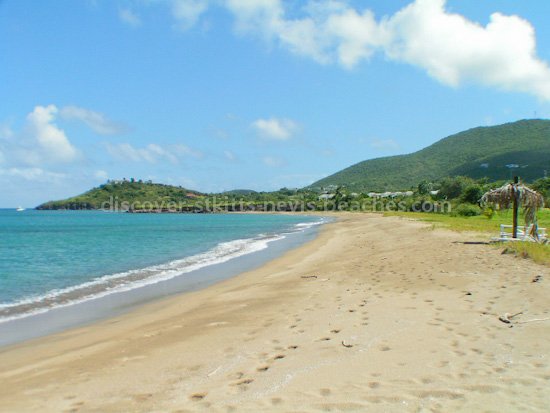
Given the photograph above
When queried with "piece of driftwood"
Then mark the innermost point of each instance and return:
(346, 345)
(507, 317)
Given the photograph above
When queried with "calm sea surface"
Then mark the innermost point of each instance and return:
(55, 258)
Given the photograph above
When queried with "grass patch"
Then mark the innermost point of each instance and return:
(478, 223)
(539, 253)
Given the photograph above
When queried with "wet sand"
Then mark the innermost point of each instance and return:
(376, 314)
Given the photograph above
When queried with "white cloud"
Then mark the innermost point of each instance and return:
(98, 122)
(33, 174)
(6, 132)
(101, 175)
(184, 150)
(188, 12)
(384, 144)
(267, 17)
(151, 153)
(52, 141)
(273, 162)
(451, 48)
(276, 129)
(128, 17)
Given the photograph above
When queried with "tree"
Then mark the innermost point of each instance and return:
(452, 188)
(472, 194)
(424, 187)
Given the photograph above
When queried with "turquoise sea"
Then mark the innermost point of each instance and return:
(50, 259)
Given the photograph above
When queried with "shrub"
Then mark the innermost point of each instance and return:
(452, 188)
(472, 194)
(467, 210)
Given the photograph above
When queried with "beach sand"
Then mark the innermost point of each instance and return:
(375, 315)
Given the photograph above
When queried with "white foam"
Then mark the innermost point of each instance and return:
(129, 280)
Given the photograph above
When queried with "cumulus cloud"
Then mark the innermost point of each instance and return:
(40, 142)
(448, 46)
(128, 17)
(453, 49)
(275, 129)
(188, 12)
(151, 153)
(51, 140)
(267, 17)
(98, 122)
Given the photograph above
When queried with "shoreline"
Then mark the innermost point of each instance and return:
(375, 314)
(111, 303)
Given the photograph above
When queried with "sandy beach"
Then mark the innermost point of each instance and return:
(375, 315)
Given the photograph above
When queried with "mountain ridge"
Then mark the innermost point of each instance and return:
(486, 151)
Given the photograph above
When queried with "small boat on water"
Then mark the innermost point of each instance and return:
(20, 209)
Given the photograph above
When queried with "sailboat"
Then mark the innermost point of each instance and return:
(20, 209)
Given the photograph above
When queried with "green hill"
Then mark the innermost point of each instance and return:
(133, 192)
(240, 192)
(477, 153)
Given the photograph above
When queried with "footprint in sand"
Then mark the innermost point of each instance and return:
(142, 397)
(243, 382)
(197, 396)
(325, 392)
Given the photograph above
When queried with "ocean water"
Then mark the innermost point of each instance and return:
(50, 259)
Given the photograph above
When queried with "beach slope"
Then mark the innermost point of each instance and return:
(377, 314)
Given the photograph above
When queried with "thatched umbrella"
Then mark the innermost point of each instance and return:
(516, 194)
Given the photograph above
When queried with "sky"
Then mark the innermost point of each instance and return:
(216, 95)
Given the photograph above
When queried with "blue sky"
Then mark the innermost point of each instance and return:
(222, 94)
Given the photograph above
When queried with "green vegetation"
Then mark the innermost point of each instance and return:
(542, 186)
(479, 223)
(239, 192)
(451, 203)
(476, 153)
(490, 225)
(139, 196)
(131, 192)
(537, 252)
(446, 182)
